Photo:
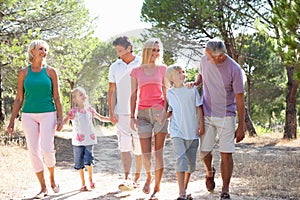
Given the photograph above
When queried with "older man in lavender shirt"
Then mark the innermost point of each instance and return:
(223, 95)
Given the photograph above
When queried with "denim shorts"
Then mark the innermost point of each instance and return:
(83, 155)
(185, 154)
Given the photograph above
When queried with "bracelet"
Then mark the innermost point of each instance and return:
(132, 117)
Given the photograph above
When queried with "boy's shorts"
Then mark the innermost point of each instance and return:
(224, 128)
(147, 123)
(185, 154)
(128, 139)
(83, 155)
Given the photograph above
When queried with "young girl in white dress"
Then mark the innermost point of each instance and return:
(84, 134)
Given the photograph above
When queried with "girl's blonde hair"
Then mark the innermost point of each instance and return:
(171, 71)
(32, 46)
(147, 51)
(75, 92)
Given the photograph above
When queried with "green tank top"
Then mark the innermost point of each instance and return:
(38, 96)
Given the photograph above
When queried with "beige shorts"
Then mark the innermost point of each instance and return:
(218, 128)
(148, 124)
(127, 138)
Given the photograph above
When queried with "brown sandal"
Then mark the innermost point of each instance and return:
(224, 196)
(210, 182)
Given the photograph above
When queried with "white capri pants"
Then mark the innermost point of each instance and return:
(39, 131)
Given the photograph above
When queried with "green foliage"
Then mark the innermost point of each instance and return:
(265, 75)
(66, 26)
(191, 74)
(261, 130)
(284, 27)
(24, 20)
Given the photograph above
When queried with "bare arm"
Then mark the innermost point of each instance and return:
(164, 115)
(133, 98)
(64, 121)
(240, 131)
(18, 100)
(56, 93)
(201, 123)
(112, 99)
(102, 118)
(198, 80)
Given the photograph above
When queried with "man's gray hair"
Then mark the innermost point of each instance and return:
(216, 46)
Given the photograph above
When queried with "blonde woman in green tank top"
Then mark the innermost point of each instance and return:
(38, 97)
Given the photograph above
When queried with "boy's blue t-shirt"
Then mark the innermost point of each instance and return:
(183, 103)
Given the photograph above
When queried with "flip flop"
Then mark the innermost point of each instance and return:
(41, 195)
(154, 196)
(126, 186)
(146, 189)
(56, 188)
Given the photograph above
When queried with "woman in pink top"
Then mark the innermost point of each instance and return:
(148, 81)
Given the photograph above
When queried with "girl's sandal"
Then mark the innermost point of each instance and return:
(92, 185)
(83, 188)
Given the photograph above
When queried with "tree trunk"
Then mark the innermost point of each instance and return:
(229, 43)
(249, 125)
(248, 95)
(2, 113)
(290, 127)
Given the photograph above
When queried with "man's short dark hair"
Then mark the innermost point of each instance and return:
(123, 41)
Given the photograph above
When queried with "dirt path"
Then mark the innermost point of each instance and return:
(262, 171)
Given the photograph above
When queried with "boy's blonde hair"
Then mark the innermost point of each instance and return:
(171, 71)
(74, 93)
(147, 51)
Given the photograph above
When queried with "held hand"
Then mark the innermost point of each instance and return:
(10, 128)
(189, 85)
(239, 134)
(59, 125)
(133, 123)
(114, 118)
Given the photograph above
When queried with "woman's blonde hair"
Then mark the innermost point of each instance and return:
(171, 71)
(147, 51)
(74, 93)
(32, 46)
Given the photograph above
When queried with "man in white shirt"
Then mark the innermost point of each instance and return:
(119, 109)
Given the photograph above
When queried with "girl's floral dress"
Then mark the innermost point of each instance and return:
(83, 129)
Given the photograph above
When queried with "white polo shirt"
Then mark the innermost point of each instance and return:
(119, 73)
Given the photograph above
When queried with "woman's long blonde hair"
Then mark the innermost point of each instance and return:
(147, 51)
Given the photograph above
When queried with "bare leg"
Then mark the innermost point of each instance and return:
(206, 158)
(181, 183)
(146, 157)
(138, 167)
(159, 143)
(187, 176)
(52, 179)
(81, 174)
(226, 170)
(126, 162)
(41, 178)
(90, 171)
